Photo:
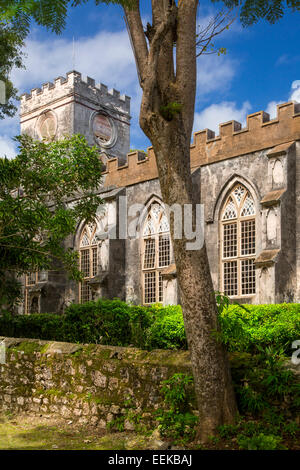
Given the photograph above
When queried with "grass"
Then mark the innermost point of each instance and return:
(25, 432)
(40, 433)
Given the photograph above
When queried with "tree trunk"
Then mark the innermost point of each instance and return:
(166, 117)
(213, 385)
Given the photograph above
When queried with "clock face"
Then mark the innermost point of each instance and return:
(47, 126)
(103, 129)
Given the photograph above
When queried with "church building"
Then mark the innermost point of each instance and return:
(247, 178)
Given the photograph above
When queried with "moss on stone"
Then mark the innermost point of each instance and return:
(44, 348)
(53, 392)
(28, 347)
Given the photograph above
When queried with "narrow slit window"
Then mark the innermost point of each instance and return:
(32, 298)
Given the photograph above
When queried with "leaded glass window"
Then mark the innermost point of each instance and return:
(88, 260)
(156, 253)
(238, 243)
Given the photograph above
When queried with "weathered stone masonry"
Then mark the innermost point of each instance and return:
(263, 157)
(91, 384)
(86, 383)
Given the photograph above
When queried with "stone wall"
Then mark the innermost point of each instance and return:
(275, 279)
(263, 156)
(86, 383)
(297, 215)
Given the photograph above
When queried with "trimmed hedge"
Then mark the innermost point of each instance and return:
(113, 322)
(103, 321)
(110, 322)
(249, 328)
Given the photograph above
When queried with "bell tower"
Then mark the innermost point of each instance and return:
(72, 105)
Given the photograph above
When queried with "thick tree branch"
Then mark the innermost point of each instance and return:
(186, 75)
(154, 77)
(160, 32)
(138, 39)
(163, 9)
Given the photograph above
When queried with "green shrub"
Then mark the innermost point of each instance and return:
(167, 330)
(176, 420)
(141, 319)
(261, 381)
(103, 321)
(243, 328)
(260, 442)
(249, 327)
(40, 326)
(265, 433)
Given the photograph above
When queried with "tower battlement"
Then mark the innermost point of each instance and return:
(76, 100)
(73, 83)
(77, 105)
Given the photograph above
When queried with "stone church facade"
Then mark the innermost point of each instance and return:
(248, 180)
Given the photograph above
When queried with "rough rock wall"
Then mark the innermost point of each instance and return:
(86, 383)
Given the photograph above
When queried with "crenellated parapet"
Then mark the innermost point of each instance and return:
(77, 105)
(75, 100)
(260, 133)
(74, 83)
(138, 167)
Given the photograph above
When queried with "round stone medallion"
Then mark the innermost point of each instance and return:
(47, 126)
(103, 130)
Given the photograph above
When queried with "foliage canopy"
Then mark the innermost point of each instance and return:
(11, 44)
(33, 224)
(53, 13)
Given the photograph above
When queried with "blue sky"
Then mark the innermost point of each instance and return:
(260, 69)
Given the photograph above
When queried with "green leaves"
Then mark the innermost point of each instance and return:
(249, 329)
(260, 442)
(11, 43)
(44, 192)
(177, 421)
(175, 391)
(49, 13)
(254, 10)
(70, 161)
(169, 111)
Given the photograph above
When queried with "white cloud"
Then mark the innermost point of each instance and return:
(10, 125)
(214, 73)
(272, 109)
(107, 57)
(287, 59)
(7, 147)
(9, 128)
(216, 114)
(295, 94)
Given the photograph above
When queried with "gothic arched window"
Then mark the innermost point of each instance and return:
(33, 281)
(156, 253)
(88, 260)
(238, 243)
